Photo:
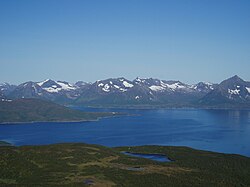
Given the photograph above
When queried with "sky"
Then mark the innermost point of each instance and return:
(89, 40)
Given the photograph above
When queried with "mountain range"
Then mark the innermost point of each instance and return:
(232, 92)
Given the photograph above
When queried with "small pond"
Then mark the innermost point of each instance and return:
(154, 157)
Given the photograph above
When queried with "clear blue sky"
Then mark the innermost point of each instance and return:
(186, 40)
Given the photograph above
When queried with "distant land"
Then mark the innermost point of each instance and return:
(35, 110)
(81, 164)
(233, 92)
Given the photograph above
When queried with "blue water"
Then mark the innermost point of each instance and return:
(154, 157)
(225, 131)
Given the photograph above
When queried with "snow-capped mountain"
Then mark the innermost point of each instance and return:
(59, 91)
(109, 91)
(204, 87)
(230, 91)
(27, 90)
(157, 85)
(81, 84)
(113, 85)
(6, 88)
(56, 86)
(140, 91)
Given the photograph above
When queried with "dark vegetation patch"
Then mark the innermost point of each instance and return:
(34, 110)
(84, 165)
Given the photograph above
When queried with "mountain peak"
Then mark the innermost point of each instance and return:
(235, 77)
(233, 80)
(232, 90)
(47, 81)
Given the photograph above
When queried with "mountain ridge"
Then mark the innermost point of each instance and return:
(233, 91)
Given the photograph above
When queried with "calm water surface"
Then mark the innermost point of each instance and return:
(154, 157)
(225, 131)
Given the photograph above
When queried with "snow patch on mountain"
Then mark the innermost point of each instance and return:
(41, 83)
(52, 89)
(127, 85)
(175, 86)
(235, 91)
(208, 83)
(56, 86)
(248, 89)
(202, 85)
(4, 84)
(66, 86)
(117, 87)
(106, 88)
(123, 89)
(6, 100)
(139, 80)
(137, 97)
(156, 88)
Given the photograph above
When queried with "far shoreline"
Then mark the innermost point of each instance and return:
(151, 107)
(114, 114)
(63, 121)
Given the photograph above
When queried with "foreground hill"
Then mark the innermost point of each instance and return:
(31, 110)
(84, 165)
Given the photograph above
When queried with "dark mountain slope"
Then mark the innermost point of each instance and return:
(231, 92)
(31, 110)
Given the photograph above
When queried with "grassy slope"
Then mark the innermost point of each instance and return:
(72, 164)
(3, 143)
(29, 110)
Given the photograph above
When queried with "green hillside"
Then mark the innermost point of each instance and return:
(84, 165)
